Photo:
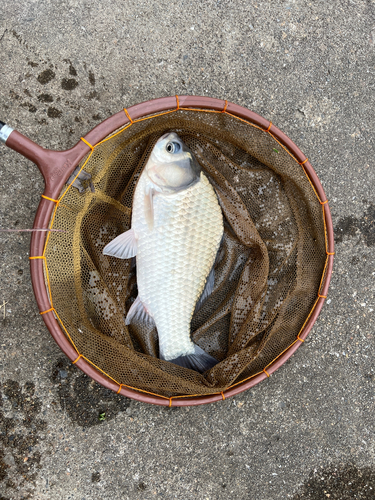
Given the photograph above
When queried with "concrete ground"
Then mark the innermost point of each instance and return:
(308, 431)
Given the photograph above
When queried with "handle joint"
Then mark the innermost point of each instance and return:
(5, 132)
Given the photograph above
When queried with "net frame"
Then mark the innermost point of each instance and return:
(49, 203)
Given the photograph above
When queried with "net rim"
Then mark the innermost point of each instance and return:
(47, 204)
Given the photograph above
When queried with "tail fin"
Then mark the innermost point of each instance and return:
(199, 361)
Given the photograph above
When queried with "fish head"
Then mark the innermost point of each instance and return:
(171, 165)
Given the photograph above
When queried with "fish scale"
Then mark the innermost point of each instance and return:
(175, 258)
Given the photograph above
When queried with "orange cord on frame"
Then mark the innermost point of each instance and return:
(49, 310)
(49, 199)
(127, 114)
(87, 143)
(75, 361)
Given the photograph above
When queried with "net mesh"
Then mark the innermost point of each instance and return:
(268, 274)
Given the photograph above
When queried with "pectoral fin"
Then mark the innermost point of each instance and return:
(149, 208)
(122, 247)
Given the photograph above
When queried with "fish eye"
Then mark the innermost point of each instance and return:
(173, 147)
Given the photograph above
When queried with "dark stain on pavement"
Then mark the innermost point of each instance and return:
(19, 436)
(72, 70)
(45, 98)
(69, 83)
(82, 398)
(92, 95)
(95, 477)
(46, 76)
(350, 226)
(91, 78)
(53, 112)
(30, 106)
(142, 486)
(339, 482)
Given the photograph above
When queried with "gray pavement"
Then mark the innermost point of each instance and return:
(308, 431)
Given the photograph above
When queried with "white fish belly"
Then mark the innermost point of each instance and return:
(175, 258)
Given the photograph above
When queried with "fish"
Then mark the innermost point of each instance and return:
(175, 234)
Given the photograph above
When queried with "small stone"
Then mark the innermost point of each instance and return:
(63, 373)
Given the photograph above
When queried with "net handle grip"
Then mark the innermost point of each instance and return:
(55, 166)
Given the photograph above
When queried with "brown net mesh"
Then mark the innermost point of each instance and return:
(267, 276)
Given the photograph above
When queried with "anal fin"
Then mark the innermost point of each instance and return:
(138, 314)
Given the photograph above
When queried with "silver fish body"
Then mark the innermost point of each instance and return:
(176, 230)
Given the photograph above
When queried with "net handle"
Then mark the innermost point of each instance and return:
(55, 166)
